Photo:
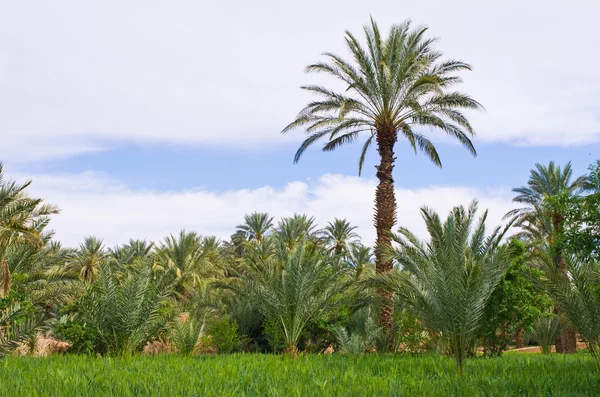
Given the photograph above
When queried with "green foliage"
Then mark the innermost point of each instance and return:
(129, 312)
(310, 375)
(393, 84)
(291, 287)
(580, 232)
(515, 304)
(546, 331)
(224, 335)
(447, 281)
(577, 295)
(83, 338)
(360, 335)
(409, 335)
(185, 334)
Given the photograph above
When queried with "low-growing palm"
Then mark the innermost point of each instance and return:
(129, 311)
(577, 295)
(394, 88)
(446, 281)
(291, 289)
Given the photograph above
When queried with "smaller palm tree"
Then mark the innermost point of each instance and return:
(185, 333)
(361, 260)
(88, 259)
(129, 311)
(291, 289)
(340, 235)
(446, 281)
(290, 231)
(577, 295)
(256, 225)
(16, 327)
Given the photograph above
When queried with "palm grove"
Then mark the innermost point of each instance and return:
(287, 285)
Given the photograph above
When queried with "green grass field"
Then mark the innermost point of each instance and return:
(265, 375)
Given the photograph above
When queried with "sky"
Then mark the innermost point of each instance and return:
(142, 118)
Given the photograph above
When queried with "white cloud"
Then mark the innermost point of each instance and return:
(93, 204)
(76, 76)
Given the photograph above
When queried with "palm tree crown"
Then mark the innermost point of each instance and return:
(394, 85)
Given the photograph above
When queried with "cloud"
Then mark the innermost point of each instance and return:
(79, 76)
(95, 204)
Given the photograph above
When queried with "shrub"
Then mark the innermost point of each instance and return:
(224, 335)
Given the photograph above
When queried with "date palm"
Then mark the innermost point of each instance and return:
(447, 281)
(340, 235)
(394, 88)
(88, 259)
(22, 219)
(545, 181)
(256, 225)
(542, 226)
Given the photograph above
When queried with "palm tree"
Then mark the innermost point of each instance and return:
(22, 220)
(290, 231)
(395, 87)
(360, 259)
(544, 182)
(186, 258)
(541, 225)
(290, 289)
(88, 259)
(130, 311)
(447, 281)
(340, 235)
(576, 295)
(256, 225)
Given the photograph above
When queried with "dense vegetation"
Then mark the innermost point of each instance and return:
(289, 286)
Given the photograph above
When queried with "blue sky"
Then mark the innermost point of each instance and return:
(140, 118)
(175, 167)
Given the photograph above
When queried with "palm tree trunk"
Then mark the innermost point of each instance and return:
(567, 342)
(6, 277)
(385, 218)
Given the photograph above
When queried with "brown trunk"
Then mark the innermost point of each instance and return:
(6, 277)
(520, 338)
(385, 218)
(567, 342)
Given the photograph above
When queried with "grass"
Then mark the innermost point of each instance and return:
(266, 375)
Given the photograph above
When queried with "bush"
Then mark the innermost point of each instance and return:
(224, 335)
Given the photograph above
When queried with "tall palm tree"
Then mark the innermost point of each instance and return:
(447, 281)
(541, 225)
(395, 87)
(544, 182)
(22, 220)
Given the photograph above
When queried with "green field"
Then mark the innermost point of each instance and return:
(266, 375)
